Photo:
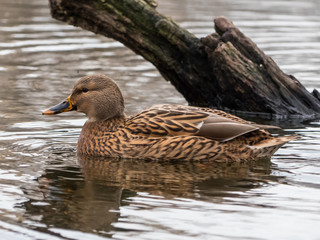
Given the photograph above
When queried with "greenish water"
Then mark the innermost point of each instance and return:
(47, 193)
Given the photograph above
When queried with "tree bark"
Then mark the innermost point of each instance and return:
(225, 70)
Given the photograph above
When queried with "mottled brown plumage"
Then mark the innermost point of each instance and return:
(162, 132)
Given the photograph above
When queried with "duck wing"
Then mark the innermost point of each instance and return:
(175, 120)
(158, 121)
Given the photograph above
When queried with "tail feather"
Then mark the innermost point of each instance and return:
(277, 141)
(268, 147)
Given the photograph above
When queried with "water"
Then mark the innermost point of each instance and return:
(46, 194)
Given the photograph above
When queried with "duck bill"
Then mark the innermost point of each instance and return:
(64, 106)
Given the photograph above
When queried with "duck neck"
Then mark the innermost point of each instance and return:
(103, 126)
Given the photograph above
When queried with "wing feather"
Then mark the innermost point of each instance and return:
(175, 120)
(158, 121)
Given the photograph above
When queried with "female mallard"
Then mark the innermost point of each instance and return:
(162, 131)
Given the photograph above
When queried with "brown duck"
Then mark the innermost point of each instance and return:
(162, 132)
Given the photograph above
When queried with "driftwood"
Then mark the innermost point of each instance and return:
(225, 70)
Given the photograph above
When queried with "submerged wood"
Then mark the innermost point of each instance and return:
(225, 70)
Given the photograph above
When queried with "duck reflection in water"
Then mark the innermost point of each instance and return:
(170, 178)
(89, 199)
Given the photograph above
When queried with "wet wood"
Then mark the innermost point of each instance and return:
(225, 70)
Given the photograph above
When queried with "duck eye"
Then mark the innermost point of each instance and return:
(85, 90)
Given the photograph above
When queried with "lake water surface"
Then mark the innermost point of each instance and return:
(45, 194)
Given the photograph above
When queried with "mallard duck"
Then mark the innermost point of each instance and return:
(162, 132)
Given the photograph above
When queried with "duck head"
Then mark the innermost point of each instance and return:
(98, 96)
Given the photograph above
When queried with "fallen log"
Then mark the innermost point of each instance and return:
(225, 70)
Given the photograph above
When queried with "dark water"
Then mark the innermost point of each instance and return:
(45, 194)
